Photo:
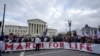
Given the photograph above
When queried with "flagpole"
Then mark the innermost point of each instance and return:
(2, 33)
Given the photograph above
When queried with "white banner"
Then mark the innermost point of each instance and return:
(31, 46)
(87, 47)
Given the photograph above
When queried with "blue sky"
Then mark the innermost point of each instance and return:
(55, 12)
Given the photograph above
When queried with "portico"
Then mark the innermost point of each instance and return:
(36, 27)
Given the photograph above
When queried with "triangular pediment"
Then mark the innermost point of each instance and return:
(37, 20)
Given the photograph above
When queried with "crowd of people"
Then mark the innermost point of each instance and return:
(11, 38)
(83, 39)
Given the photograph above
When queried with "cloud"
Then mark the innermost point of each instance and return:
(10, 21)
(54, 12)
(80, 12)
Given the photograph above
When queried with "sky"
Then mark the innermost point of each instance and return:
(55, 12)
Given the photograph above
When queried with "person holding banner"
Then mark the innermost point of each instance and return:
(37, 42)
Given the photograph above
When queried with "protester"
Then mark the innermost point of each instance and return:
(75, 38)
(45, 39)
(37, 42)
(33, 39)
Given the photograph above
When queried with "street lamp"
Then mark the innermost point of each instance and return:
(2, 32)
(69, 23)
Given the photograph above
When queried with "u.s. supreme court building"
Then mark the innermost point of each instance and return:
(35, 27)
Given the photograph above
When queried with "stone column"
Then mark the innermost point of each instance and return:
(29, 28)
(42, 27)
(39, 28)
(34, 28)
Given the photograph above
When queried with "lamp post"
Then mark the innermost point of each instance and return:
(2, 33)
(69, 23)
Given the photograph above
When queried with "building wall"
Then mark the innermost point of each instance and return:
(88, 29)
(17, 30)
(30, 29)
(51, 32)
